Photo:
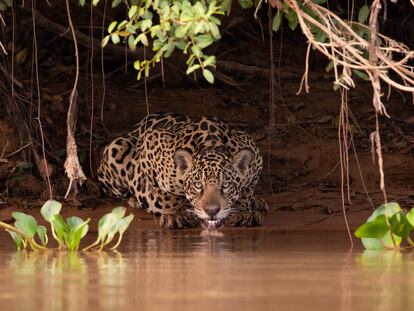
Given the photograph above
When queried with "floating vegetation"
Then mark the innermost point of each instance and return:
(27, 233)
(386, 228)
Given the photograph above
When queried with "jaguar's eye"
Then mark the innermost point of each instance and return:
(225, 185)
(198, 185)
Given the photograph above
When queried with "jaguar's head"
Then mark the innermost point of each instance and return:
(212, 182)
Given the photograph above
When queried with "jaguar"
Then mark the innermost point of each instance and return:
(187, 171)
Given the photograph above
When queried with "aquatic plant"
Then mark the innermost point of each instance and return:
(68, 233)
(386, 228)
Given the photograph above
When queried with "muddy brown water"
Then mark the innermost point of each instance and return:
(243, 270)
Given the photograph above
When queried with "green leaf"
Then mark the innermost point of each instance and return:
(145, 24)
(119, 211)
(61, 228)
(115, 3)
(105, 225)
(329, 67)
(81, 2)
(122, 24)
(42, 234)
(115, 38)
(400, 225)
(132, 11)
(192, 68)
(124, 223)
(131, 43)
(388, 209)
(50, 209)
(203, 41)
(105, 41)
(386, 241)
(226, 6)
(17, 238)
(112, 26)
(410, 217)
(137, 65)
(144, 39)
(180, 31)
(320, 36)
(208, 76)
(372, 243)
(25, 223)
(210, 60)
(363, 14)
(199, 9)
(246, 4)
(360, 74)
(373, 229)
(95, 2)
(277, 21)
(74, 221)
(77, 232)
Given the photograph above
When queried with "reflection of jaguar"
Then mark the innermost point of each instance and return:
(187, 171)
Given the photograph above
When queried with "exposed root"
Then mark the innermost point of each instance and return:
(73, 168)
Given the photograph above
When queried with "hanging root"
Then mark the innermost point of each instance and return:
(356, 49)
(73, 168)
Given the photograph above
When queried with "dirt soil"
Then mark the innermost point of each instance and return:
(301, 179)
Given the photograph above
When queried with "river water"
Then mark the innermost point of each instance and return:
(243, 270)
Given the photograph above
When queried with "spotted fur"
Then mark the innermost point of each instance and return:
(186, 171)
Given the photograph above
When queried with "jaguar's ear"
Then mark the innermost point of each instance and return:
(183, 160)
(241, 161)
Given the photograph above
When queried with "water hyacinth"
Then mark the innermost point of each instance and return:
(68, 233)
(386, 228)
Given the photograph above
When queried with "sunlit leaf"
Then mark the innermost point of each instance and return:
(115, 38)
(112, 26)
(192, 68)
(50, 209)
(210, 60)
(105, 41)
(132, 11)
(208, 76)
(131, 43)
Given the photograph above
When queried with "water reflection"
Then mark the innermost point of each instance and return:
(244, 270)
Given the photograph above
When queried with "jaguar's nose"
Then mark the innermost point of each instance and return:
(212, 210)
